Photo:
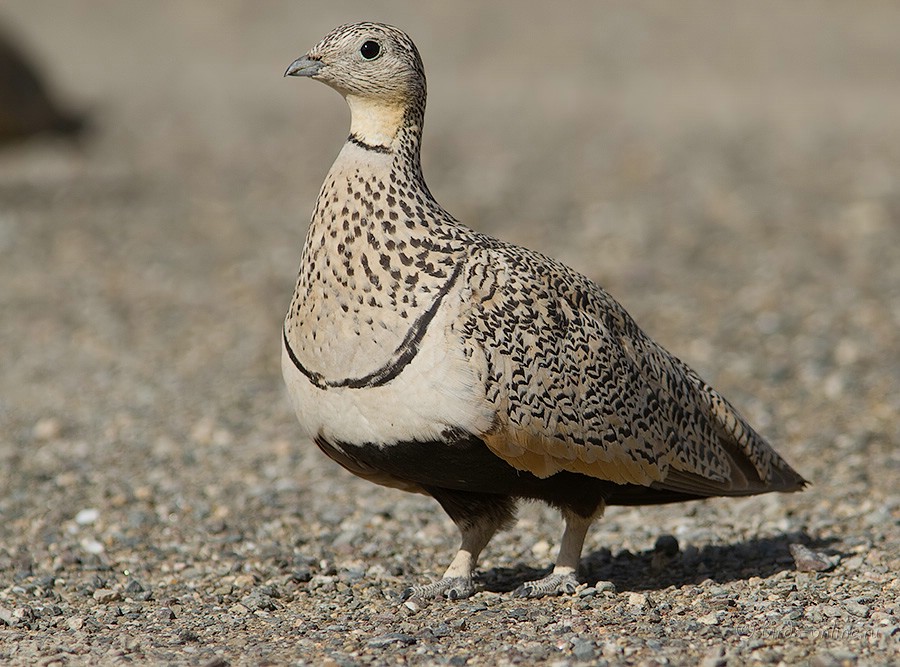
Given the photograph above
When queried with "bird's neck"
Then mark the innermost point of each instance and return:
(385, 125)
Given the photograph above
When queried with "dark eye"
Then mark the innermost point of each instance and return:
(370, 50)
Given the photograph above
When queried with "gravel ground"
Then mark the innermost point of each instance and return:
(728, 171)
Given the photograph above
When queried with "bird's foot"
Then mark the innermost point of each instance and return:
(552, 584)
(452, 588)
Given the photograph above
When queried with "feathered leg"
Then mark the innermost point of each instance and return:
(478, 516)
(563, 579)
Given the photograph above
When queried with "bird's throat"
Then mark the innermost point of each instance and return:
(375, 122)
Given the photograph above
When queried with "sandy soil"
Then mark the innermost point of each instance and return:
(728, 170)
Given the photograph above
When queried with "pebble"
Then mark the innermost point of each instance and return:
(92, 546)
(87, 516)
(605, 587)
(391, 638)
(834, 658)
(583, 650)
(106, 595)
(715, 657)
(807, 560)
(831, 611)
(259, 601)
(48, 428)
(219, 661)
(638, 600)
(133, 587)
(441, 630)
(856, 608)
(712, 618)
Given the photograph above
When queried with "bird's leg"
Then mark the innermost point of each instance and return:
(457, 580)
(563, 578)
(478, 517)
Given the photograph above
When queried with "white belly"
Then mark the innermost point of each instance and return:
(437, 390)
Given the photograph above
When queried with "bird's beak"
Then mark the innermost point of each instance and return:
(303, 66)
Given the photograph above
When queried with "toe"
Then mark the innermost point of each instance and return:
(553, 584)
(452, 588)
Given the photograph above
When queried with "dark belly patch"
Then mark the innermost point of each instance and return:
(464, 463)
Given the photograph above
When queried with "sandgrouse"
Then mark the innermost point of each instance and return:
(423, 355)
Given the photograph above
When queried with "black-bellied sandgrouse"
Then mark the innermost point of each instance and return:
(423, 355)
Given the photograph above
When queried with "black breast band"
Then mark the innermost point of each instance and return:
(404, 353)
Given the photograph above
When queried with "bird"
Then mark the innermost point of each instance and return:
(423, 355)
(27, 107)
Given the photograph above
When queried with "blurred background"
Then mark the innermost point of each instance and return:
(729, 171)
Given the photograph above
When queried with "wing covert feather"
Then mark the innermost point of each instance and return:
(577, 386)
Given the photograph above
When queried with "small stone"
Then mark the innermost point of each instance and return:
(238, 608)
(412, 605)
(888, 632)
(611, 651)
(165, 614)
(824, 659)
(442, 630)
(323, 582)
(605, 587)
(587, 592)
(47, 428)
(87, 516)
(637, 600)
(857, 609)
(711, 618)
(134, 587)
(92, 546)
(106, 595)
(715, 657)
(258, 601)
(854, 563)
(583, 650)
(223, 589)
(391, 638)
(831, 611)
(25, 613)
(6, 616)
(75, 623)
(807, 560)
(218, 661)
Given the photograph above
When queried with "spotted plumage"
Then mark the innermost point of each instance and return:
(423, 355)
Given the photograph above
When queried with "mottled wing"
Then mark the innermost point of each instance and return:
(577, 386)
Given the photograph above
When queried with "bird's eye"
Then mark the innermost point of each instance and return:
(370, 50)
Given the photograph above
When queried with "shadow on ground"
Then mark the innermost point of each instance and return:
(657, 569)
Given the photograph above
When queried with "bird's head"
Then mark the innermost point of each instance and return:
(377, 69)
